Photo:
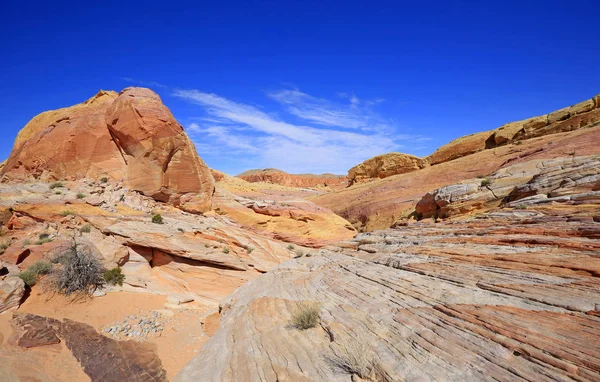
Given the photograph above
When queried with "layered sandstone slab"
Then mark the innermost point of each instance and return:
(130, 136)
(503, 297)
(385, 165)
(275, 176)
(581, 115)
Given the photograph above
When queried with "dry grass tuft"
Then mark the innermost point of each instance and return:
(307, 316)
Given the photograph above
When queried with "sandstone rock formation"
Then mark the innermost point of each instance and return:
(533, 182)
(275, 176)
(279, 211)
(385, 165)
(507, 296)
(380, 203)
(581, 115)
(130, 136)
(12, 290)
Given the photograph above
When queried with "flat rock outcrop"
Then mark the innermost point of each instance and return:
(385, 165)
(506, 296)
(130, 136)
(275, 176)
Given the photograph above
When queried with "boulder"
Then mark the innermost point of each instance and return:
(11, 293)
(385, 165)
(130, 137)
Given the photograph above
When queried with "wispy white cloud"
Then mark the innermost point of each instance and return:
(150, 84)
(242, 131)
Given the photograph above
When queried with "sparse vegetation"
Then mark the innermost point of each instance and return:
(104, 179)
(486, 182)
(518, 143)
(354, 357)
(43, 235)
(521, 206)
(79, 272)
(249, 248)
(56, 185)
(157, 219)
(80, 195)
(114, 276)
(226, 250)
(180, 229)
(299, 254)
(57, 193)
(306, 316)
(32, 274)
(86, 228)
(67, 213)
(4, 246)
(291, 247)
(26, 242)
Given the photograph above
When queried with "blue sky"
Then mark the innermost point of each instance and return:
(305, 86)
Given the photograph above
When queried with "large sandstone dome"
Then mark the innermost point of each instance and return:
(128, 136)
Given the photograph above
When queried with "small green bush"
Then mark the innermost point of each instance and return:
(86, 228)
(57, 193)
(157, 219)
(32, 274)
(67, 213)
(80, 195)
(291, 247)
(4, 246)
(226, 250)
(486, 182)
(114, 276)
(56, 185)
(306, 316)
(43, 241)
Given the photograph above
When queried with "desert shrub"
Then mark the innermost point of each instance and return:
(104, 179)
(67, 213)
(43, 241)
(57, 193)
(291, 247)
(180, 230)
(79, 273)
(114, 276)
(486, 182)
(306, 316)
(226, 250)
(4, 246)
(86, 228)
(26, 242)
(56, 185)
(80, 195)
(249, 248)
(157, 219)
(43, 236)
(354, 357)
(299, 254)
(32, 274)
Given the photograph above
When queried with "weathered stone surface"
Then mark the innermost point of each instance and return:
(129, 136)
(460, 147)
(275, 176)
(385, 165)
(11, 293)
(503, 297)
(102, 358)
(572, 176)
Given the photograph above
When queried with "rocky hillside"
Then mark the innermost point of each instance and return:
(506, 295)
(275, 176)
(385, 165)
(130, 137)
(380, 203)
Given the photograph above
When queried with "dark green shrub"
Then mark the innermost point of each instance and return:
(157, 219)
(104, 179)
(80, 195)
(226, 250)
(67, 213)
(114, 276)
(291, 247)
(56, 185)
(486, 182)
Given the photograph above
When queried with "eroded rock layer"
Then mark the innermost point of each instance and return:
(385, 165)
(130, 136)
(275, 176)
(511, 295)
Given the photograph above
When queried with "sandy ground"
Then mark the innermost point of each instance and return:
(180, 341)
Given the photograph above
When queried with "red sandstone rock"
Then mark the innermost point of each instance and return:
(130, 136)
